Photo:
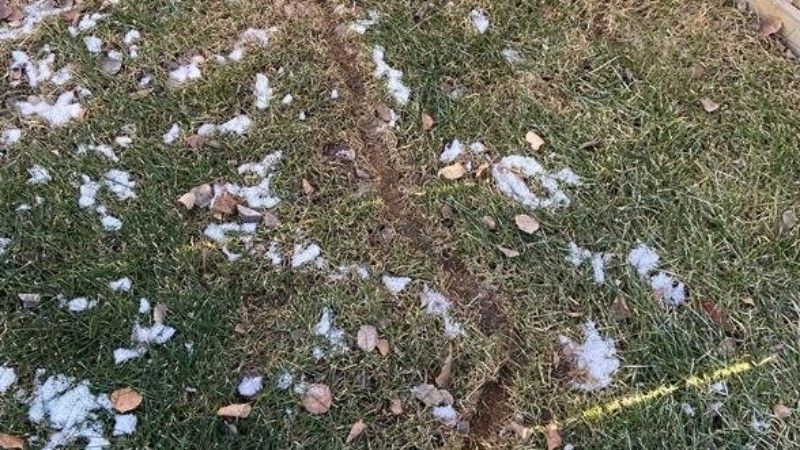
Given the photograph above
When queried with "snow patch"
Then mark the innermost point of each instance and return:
(4, 244)
(238, 125)
(284, 380)
(93, 44)
(304, 254)
(577, 255)
(33, 14)
(394, 77)
(57, 114)
(38, 175)
(87, 23)
(172, 134)
(186, 73)
(88, 192)
(78, 304)
(438, 305)
(262, 92)
(479, 19)
(40, 71)
(7, 378)
(511, 56)
(120, 183)
(99, 149)
(394, 284)
(124, 424)
(361, 26)
(447, 415)
(594, 360)
(250, 386)
(510, 173)
(451, 151)
(646, 261)
(327, 328)
(123, 284)
(9, 137)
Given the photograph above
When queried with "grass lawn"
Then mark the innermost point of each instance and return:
(613, 89)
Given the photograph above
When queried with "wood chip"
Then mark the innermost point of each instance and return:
(125, 399)
(526, 223)
(308, 189)
(453, 171)
(383, 347)
(552, 437)
(507, 252)
(769, 25)
(224, 204)
(367, 338)
(427, 122)
(187, 200)
(355, 431)
(708, 105)
(534, 140)
(781, 411)
(317, 399)
(10, 441)
(445, 376)
(235, 410)
(396, 407)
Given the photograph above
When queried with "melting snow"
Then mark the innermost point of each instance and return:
(10, 137)
(58, 114)
(451, 151)
(38, 175)
(305, 254)
(446, 415)
(262, 91)
(327, 329)
(88, 192)
(130, 39)
(480, 21)
(284, 380)
(120, 183)
(93, 44)
(87, 23)
(124, 424)
(7, 378)
(144, 306)
(33, 14)
(238, 125)
(595, 359)
(645, 260)
(158, 333)
(287, 99)
(122, 285)
(223, 231)
(101, 149)
(172, 134)
(257, 36)
(578, 255)
(250, 386)
(185, 73)
(79, 304)
(395, 285)
(125, 354)
(438, 306)
(273, 254)
(394, 77)
(334, 94)
(361, 26)
(38, 72)
(4, 244)
(509, 174)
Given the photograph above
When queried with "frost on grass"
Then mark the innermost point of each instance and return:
(451, 151)
(262, 92)
(646, 261)
(57, 114)
(577, 256)
(394, 77)
(38, 72)
(32, 15)
(511, 56)
(120, 183)
(510, 175)
(38, 175)
(304, 254)
(479, 19)
(71, 412)
(250, 386)
(594, 361)
(361, 26)
(7, 378)
(123, 284)
(394, 284)
(438, 305)
(172, 134)
(326, 328)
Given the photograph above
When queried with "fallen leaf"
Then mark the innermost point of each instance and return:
(10, 441)
(383, 347)
(271, 220)
(769, 26)
(446, 374)
(396, 407)
(224, 204)
(430, 396)
(619, 309)
(788, 222)
(355, 431)
(203, 195)
(552, 437)
(481, 169)
(4, 12)
(489, 223)
(708, 105)
(187, 200)
(317, 399)
(367, 338)
(427, 122)
(308, 189)
(29, 300)
(238, 410)
(125, 399)
(521, 431)
(196, 140)
(248, 215)
(534, 140)
(526, 223)
(15, 16)
(384, 112)
(453, 171)
(748, 301)
(716, 314)
(72, 16)
(781, 411)
(507, 252)
(159, 313)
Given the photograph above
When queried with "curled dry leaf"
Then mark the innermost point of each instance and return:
(383, 347)
(788, 222)
(237, 410)
(430, 396)
(446, 374)
(708, 105)
(355, 431)
(196, 140)
(748, 301)
(534, 140)
(187, 200)
(781, 411)
(224, 204)
(10, 441)
(367, 338)
(619, 309)
(202, 195)
(507, 252)
(489, 223)
(308, 189)
(125, 399)
(552, 437)
(526, 223)
(427, 122)
(159, 313)
(769, 25)
(481, 169)
(396, 406)
(317, 399)
(453, 171)
(384, 112)
(714, 312)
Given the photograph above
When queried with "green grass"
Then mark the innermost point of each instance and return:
(705, 190)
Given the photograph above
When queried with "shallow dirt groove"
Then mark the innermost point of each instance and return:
(402, 214)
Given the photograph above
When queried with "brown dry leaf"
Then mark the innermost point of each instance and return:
(453, 171)
(125, 399)
(396, 407)
(238, 410)
(534, 140)
(521, 431)
(714, 312)
(430, 396)
(446, 374)
(159, 313)
(781, 411)
(10, 441)
(507, 252)
(481, 169)
(552, 437)
(187, 200)
(748, 301)
(384, 112)
(367, 338)
(202, 195)
(196, 140)
(619, 309)
(4, 11)
(526, 223)
(489, 223)
(308, 189)
(271, 220)
(355, 431)
(317, 399)
(72, 16)
(383, 347)
(427, 122)
(224, 204)
(708, 105)
(788, 222)
(769, 26)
